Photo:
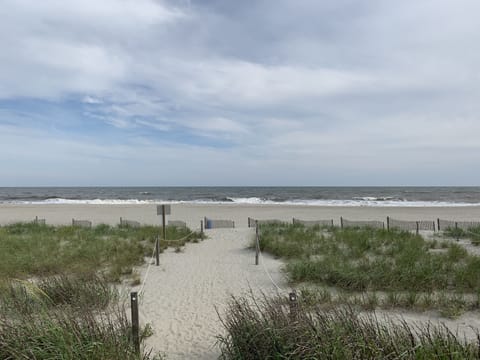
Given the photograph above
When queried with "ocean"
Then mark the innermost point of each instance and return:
(320, 196)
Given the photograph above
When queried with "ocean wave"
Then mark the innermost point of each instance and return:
(381, 198)
(355, 202)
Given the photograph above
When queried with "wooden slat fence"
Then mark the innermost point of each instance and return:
(82, 223)
(217, 224)
(311, 223)
(464, 225)
(39, 221)
(361, 224)
(423, 225)
(252, 222)
(129, 223)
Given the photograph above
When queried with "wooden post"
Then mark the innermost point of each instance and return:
(205, 222)
(341, 222)
(293, 305)
(456, 230)
(417, 227)
(157, 252)
(201, 227)
(434, 226)
(332, 222)
(388, 223)
(163, 223)
(438, 224)
(257, 245)
(135, 322)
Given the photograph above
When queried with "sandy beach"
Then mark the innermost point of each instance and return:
(181, 296)
(57, 214)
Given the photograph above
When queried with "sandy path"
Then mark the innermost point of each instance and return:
(181, 294)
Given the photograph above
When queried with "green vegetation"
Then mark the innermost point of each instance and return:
(371, 259)
(64, 318)
(472, 233)
(268, 329)
(56, 295)
(371, 268)
(28, 250)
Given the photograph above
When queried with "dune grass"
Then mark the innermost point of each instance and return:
(371, 259)
(57, 300)
(34, 250)
(457, 233)
(373, 268)
(64, 317)
(268, 329)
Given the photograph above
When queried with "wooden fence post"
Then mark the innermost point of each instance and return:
(293, 305)
(135, 321)
(164, 224)
(456, 231)
(438, 224)
(341, 222)
(157, 252)
(417, 227)
(388, 223)
(257, 245)
(201, 227)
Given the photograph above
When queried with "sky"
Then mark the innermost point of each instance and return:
(227, 92)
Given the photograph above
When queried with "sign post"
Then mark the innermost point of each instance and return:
(164, 210)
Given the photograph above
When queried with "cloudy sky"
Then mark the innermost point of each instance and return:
(227, 92)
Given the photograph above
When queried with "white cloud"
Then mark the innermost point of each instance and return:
(91, 100)
(55, 48)
(341, 88)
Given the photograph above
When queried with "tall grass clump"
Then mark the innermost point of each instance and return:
(60, 318)
(370, 259)
(266, 329)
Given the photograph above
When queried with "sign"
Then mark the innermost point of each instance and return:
(160, 209)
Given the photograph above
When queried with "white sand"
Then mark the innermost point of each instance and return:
(181, 295)
(193, 213)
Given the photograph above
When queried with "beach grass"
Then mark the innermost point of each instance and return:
(57, 299)
(371, 259)
(268, 328)
(65, 317)
(377, 268)
(472, 233)
(34, 250)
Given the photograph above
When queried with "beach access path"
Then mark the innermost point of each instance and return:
(180, 296)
